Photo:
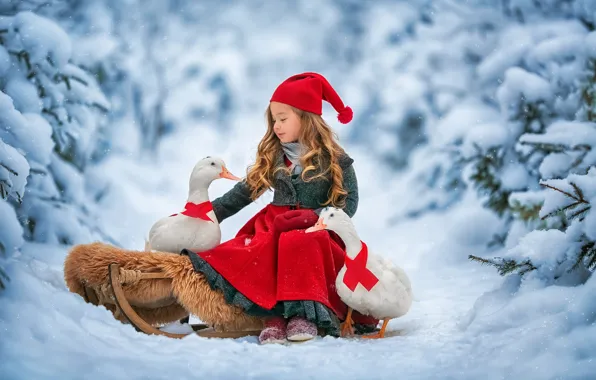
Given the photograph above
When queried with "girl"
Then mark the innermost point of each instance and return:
(272, 268)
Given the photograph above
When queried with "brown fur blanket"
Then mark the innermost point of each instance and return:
(157, 301)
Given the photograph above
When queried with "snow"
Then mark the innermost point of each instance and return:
(13, 170)
(23, 94)
(43, 38)
(544, 248)
(521, 84)
(425, 94)
(29, 132)
(552, 328)
(591, 44)
(527, 197)
(584, 134)
(514, 177)
(86, 339)
(557, 199)
(472, 227)
(11, 232)
(68, 179)
(36, 139)
(495, 65)
(447, 334)
(4, 61)
(590, 225)
(557, 49)
(483, 136)
(556, 165)
(463, 120)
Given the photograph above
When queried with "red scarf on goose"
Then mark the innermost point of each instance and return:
(197, 210)
(357, 272)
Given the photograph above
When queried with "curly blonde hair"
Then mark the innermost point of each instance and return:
(320, 160)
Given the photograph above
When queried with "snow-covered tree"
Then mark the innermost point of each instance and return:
(50, 115)
(141, 53)
(542, 139)
(422, 95)
(517, 111)
(415, 65)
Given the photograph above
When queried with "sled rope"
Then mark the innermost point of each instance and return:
(130, 277)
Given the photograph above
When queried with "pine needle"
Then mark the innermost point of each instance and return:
(3, 277)
(578, 191)
(564, 192)
(577, 213)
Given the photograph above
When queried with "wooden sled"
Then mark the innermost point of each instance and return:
(203, 330)
(151, 289)
(124, 307)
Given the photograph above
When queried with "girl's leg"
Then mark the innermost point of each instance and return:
(307, 266)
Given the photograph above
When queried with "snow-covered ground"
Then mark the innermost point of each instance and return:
(450, 333)
(466, 321)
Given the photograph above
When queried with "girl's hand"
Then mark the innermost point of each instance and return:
(294, 220)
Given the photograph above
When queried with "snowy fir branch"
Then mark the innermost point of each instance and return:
(5, 192)
(506, 266)
(588, 92)
(13, 172)
(484, 167)
(577, 208)
(3, 278)
(582, 249)
(556, 147)
(525, 212)
(587, 256)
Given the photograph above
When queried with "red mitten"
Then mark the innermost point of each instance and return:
(294, 220)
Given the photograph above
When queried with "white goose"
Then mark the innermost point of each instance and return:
(196, 227)
(367, 282)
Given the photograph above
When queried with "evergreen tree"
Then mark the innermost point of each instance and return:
(548, 139)
(50, 115)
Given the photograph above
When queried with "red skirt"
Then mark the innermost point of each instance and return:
(294, 267)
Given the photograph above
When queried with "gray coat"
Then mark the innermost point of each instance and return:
(291, 190)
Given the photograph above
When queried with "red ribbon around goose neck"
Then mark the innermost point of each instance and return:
(197, 210)
(357, 272)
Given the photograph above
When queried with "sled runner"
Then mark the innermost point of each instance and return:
(117, 277)
(113, 295)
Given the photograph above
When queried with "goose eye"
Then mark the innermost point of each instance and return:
(331, 215)
(213, 164)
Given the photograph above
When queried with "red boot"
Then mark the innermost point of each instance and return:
(300, 330)
(274, 331)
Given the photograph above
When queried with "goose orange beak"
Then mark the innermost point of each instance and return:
(319, 226)
(226, 174)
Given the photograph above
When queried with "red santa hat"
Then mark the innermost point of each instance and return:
(307, 91)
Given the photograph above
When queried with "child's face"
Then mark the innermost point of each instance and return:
(286, 123)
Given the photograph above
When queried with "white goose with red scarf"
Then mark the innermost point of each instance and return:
(367, 283)
(195, 227)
